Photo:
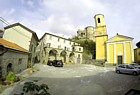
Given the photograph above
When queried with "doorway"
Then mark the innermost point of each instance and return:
(120, 59)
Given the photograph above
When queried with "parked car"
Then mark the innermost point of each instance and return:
(129, 69)
(135, 64)
(133, 92)
(50, 63)
(57, 63)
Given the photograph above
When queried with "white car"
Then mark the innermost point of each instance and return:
(129, 69)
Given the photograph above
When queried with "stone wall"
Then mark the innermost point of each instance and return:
(16, 58)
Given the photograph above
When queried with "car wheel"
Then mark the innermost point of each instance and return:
(118, 72)
(135, 73)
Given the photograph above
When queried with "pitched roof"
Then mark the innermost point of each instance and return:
(19, 24)
(53, 35)
(121, 36)
(11, 45)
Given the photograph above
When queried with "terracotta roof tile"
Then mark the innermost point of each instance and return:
(11, 45)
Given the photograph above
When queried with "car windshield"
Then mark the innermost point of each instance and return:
(134, 64)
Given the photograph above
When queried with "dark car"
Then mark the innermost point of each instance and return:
(133, 92)
(57, 63)
(50, 63)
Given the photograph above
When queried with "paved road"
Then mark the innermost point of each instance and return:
(82, 80)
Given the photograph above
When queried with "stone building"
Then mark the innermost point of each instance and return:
(52, 47)
(12, 58)
(87, 34)
(24, 37)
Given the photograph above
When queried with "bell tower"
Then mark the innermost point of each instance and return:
(100, 26)
(100, 37)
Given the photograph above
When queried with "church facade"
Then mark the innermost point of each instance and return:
(116, 50)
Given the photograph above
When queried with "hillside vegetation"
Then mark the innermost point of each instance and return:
(88, 46)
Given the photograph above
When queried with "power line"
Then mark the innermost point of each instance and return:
(7, 23)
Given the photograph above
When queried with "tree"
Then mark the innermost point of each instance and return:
(43, 89)
(35, 89)
(30, 87)
(89, 46)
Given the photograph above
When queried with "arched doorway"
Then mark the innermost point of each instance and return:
(0, 72)
(63, 56)
(9, 67)
(53, 54)
(72, 57)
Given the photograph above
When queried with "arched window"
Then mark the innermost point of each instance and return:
(99, 20)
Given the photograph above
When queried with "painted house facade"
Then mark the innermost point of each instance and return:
(24, 37)
(12, 57)
(52, 47)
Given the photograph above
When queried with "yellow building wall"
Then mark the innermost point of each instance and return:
(128, 53)
(101, 30)
(111, 53)
(101, 47)
(118, 39)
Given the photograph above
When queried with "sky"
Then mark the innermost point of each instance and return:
(65, 17)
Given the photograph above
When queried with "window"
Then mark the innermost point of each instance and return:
(20, 61)
(31, 48)
(58, 39)
(81, 34)
(78, 55)
(48, 44)
(65, 47)
(70, 42)
(59, 46)
(79, 49)
(50, 37)
(73, 48)
(99, 20)
(64, 40)
(129, 67)
(122, 66)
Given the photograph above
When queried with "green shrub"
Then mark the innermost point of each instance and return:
(35, 89)
(89, 46)
(11, 77)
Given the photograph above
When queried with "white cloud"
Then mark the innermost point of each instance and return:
(30, 3)
(58, 25)
(64, 17)
(75, 8)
